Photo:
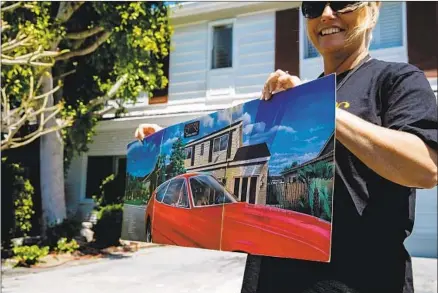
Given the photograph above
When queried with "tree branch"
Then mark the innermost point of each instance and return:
(90, 49)
(15, 43)
(12, 7)
(84, 34)
(66, 9)
(33, 136)
(111, 93)
(26, 62)
(65, 74)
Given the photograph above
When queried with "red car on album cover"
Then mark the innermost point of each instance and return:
(196, 210)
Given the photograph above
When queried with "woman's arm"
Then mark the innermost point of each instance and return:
(398, 156)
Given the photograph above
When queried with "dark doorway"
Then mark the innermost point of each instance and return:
(244, 189)
(253, 190)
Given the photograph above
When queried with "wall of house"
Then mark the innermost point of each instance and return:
(253, 59)
(201, 159)
(261, 171)
(237, 141)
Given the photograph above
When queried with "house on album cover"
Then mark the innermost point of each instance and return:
(242, 169)
(325, 155)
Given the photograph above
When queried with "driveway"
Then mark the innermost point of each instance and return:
(164, 270)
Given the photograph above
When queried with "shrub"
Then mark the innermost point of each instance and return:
(108, 228)
(112, 191)
(29, 255)
(17, 202)
(65, 246)
(67, 229)
(320, 197)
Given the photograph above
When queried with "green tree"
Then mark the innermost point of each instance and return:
(323, 170)
(161, 169)
(81, 59)
(177, 159)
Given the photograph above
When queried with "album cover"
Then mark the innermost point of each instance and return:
(256, 178)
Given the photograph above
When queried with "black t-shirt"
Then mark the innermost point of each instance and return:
(371, 215)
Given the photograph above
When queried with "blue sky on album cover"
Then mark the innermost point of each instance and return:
(295, 125)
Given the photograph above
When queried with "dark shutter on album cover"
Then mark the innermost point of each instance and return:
(210, 151)
(193, 156)
(287, 36)
(421, 28)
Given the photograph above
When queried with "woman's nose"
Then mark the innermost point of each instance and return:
(327, 13)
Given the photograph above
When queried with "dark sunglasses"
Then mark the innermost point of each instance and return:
(314, 9)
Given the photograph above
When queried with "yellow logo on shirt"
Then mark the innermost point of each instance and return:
(344, 105)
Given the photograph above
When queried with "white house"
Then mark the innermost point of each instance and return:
(224, 51)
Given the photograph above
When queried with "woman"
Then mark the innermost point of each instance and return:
(386, 132)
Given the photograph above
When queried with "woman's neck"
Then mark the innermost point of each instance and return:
(341, 62)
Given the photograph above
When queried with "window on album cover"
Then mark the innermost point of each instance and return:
(220, 143)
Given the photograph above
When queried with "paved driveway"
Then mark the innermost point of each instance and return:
(164, 270)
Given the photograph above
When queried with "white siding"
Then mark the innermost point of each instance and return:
(111, 143)
(188, 62)
(254, 58)
(255, 40)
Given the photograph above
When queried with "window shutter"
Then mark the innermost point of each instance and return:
(388, 32)
(287, 41)
(309, 50)
(422, 46)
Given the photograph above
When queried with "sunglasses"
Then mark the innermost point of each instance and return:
(314, 9)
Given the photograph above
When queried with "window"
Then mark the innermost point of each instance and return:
(202, 149)
(222, 46)
(220, 143)
(388, 32)
(207, 191)
(249, 187)
(236, 186)
(244, 189)
(188, 153)
(183, 200)
(161, 191)
(100, 167)
(173, 192)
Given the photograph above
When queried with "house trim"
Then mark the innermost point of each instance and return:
(213, 135)
(213, 167)
(196, 9)
(317, 158)
(83, 189)
(252, 161)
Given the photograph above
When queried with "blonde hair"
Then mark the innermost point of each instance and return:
(366, 22)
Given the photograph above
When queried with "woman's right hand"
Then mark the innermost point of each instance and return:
(279, 81)
(144, 130)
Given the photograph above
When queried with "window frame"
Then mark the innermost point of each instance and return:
(310, 68)
(188, 151)
(219, 138)
(211, 26)
(195, 206)
(183, 185)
